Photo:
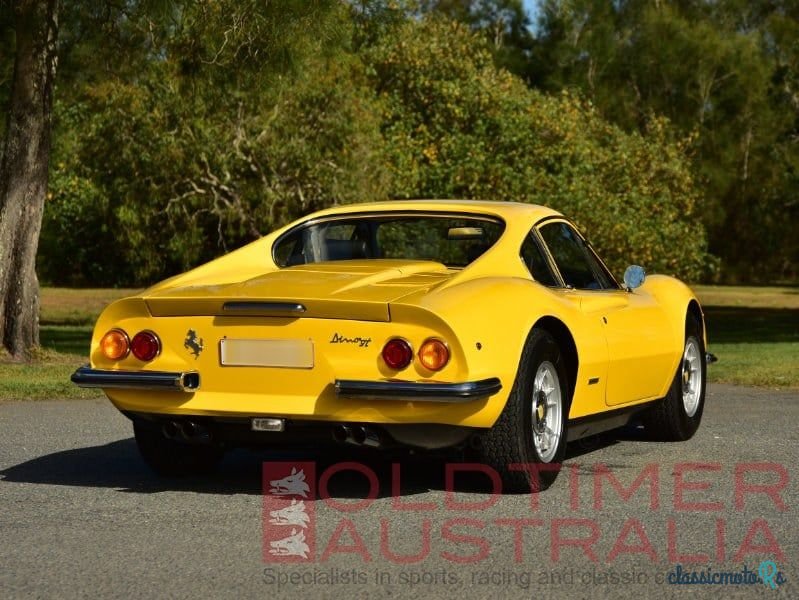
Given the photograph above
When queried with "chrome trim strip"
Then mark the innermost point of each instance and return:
(411, 391)
(188, 381)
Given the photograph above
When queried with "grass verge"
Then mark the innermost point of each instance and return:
(67, 317)
(754, 331)
(44, 378)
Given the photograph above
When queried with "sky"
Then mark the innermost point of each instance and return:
(531, 6)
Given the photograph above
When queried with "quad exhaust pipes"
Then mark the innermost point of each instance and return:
(186, 431)
(357, 435)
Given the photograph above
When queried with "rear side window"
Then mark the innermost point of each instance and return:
(536, 262)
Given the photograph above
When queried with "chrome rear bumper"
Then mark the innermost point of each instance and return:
(137, 380)
(412, 391)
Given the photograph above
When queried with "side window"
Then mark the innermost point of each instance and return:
(340, 231)
(577, 264)
(536, 263)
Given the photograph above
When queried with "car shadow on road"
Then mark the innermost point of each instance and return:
(118, 465)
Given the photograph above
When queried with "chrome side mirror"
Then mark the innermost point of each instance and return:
(634, 277)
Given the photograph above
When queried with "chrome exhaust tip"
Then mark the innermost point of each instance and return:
(188, 430)
(171, 430)
(194, 433)
(343, 434)
(357, 435)
(339, 434)
(369, 437)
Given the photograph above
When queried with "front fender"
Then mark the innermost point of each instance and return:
(674, 297)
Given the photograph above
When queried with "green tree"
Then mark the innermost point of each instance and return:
(722, 70)
(225, 135)
(184, 129)
(456, 126)
(504, 24)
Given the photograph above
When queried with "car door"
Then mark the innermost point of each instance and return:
(589, 390)
(634, 326)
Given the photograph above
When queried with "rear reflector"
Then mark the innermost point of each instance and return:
(145, 346)
(397, 353)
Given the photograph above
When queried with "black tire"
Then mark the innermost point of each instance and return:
(510, 440)
(669, 420)
(171, 457)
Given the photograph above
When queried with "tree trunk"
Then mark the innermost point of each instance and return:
(24, 172)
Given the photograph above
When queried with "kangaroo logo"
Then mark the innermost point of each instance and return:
(294, 514)
(192, 344)
(292, 484)
(293, 545)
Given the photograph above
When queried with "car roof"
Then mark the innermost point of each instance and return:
(508, 211)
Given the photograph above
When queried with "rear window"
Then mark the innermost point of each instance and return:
(453, 240)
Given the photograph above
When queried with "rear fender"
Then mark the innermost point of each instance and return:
(493, 318)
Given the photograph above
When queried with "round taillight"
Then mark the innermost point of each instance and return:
(434, 354)
(397, 353)
(115, 344)
(145, 345)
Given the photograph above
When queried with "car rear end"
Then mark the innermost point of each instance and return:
(332, 335)
(292, 360)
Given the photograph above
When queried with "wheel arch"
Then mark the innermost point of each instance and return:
(563, 337)
(695, 311)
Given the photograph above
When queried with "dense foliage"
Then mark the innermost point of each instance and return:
(193, 155)
(726, 72)
(185, 129)
(456, 126)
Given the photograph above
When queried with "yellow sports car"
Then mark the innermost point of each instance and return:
(424, 324)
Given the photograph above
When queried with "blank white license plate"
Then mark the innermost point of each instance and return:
(290, 354)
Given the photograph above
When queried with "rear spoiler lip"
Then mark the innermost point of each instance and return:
(295, 308)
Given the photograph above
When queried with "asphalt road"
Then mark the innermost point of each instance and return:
(81, 516)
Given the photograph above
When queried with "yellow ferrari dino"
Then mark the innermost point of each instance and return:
(425, 324)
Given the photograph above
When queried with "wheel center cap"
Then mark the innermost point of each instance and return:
(541, 408)
(686, 372)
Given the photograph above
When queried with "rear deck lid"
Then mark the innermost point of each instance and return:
(359, 290)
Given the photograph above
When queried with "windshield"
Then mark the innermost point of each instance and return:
(454, 240)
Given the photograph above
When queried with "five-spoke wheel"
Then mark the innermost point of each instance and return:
(547, 411)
